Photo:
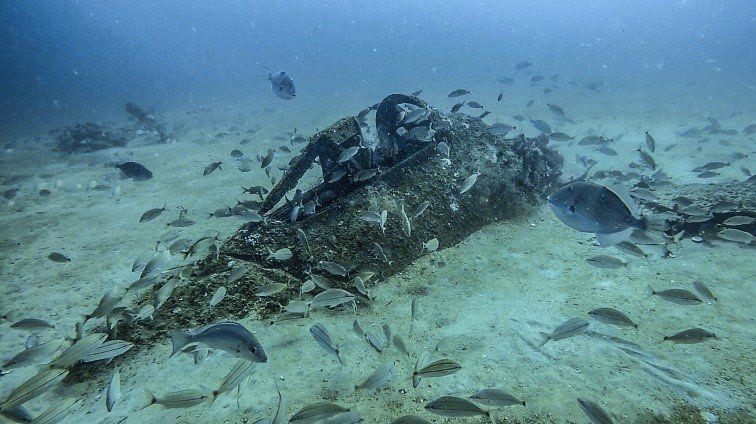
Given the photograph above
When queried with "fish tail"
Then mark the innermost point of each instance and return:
(650, 290)
(150, 400)
(179, 339)
(545, 339)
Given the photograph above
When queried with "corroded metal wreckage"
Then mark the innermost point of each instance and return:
(322, 226)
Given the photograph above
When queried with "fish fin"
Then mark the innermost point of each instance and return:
(150, 400)
(179, 339)
(650, 290)
(610, 239)
(624, 195)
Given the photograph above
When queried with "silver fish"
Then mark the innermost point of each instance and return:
(378, 379)
(164, 293)
(280, 254)
(606, 262)
(108, 301)
(316, 412)
(469, 182)
(306, 287)
(440, 368)
(650, 142)
(431, 245)
(374, 341)
(358, 328)
(693, 335)
(156, 264)
(351, 417)
(738, 220)
(321, 336)
(631, 249)
(236, 274)
(32, 355)
(451, 406)
(348, 154)
(373, 217)
(218, 296)
(410, 419)
(612, 316)
(595, 413)
(420, 209)
(106, 351)
(230, 337)
(32, 324)
(679, 296)
(33, 387)
(568, 329)
(304, 244)
(497, 398)
(443, 148)
(399, 343)
(331, 298)
(114, 390)
(738, 236)
(78, 350)
(238, 373)
(212, 167)
(334, 268)
(57, 413)
(186, 398)
(406, 224)
(704, 290)
(152, 214)
(646, 159)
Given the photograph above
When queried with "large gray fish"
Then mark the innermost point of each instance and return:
(230, 337)
(593, 208)
(282, 85)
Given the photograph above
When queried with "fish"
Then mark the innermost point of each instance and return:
(431, 245)
(212, 167)
(373, 217)
(469, 182)
(135, 171)
(236, 274)
(230, 337)
(704, 290)
(33, 387)
(557, 110)
(316, 412)
(406, 224)
(691, 336)
(500, 96)
(457, 107)
(560, 136)
(612, 316)
(218, 296)
(440, 368)
(501, 128)
(58, 257)
(156, 265)
(569, 328)
(631, 249)
(348, 154)
(106, 351)
(708, 174)
(267, 160)
(358, 329)
(595, 413)
(399, 343)
(334, 268)
(690, 133)
(417, 93)
(32, 355)
(679, 296)
(57, 412)
(459, 92)
(410, 419)
(589, 207)
(321, 336)
(32, 324)
(78, 350)
(474, 105)
(496, 398)
(282, 85)
(152, 214)
(236, 153)
(331, 298)
(186, 398)
(241, 370)
(650, 142)
(452, 406)
(108, 301)
(606, 262)
(738, 236)
(607, 151)
(646, 159)
(114, 390)
(270, 289)
(373, 341)
(523, 65)
(541, 126)
(378, 379)
(280, 254)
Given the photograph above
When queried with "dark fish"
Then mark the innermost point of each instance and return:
(708, 174)
(556, 109)
(646, 159)
(58, 257)
(704, 290)
(501, 128)
(212, 167)
(496, 398)
(152, 214)
(567, 329)
(693, 335)
(236, 153)
(541, 126)
(523, 65)
(459, 92)
(710, 166)
(499, 97)
(267, 159)
(607, 151)
(593, 208)
(505, 80)
(475, 105)
(484, 114)
(519, 118)
(417, 93)
(457, 107)
(10, 193)
(135, 170)
(606, 262)
(282, 85)
(450, 406)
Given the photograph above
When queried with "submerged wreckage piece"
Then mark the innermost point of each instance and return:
(89, 137)
(427, 176)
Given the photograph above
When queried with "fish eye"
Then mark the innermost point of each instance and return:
(253, 349)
